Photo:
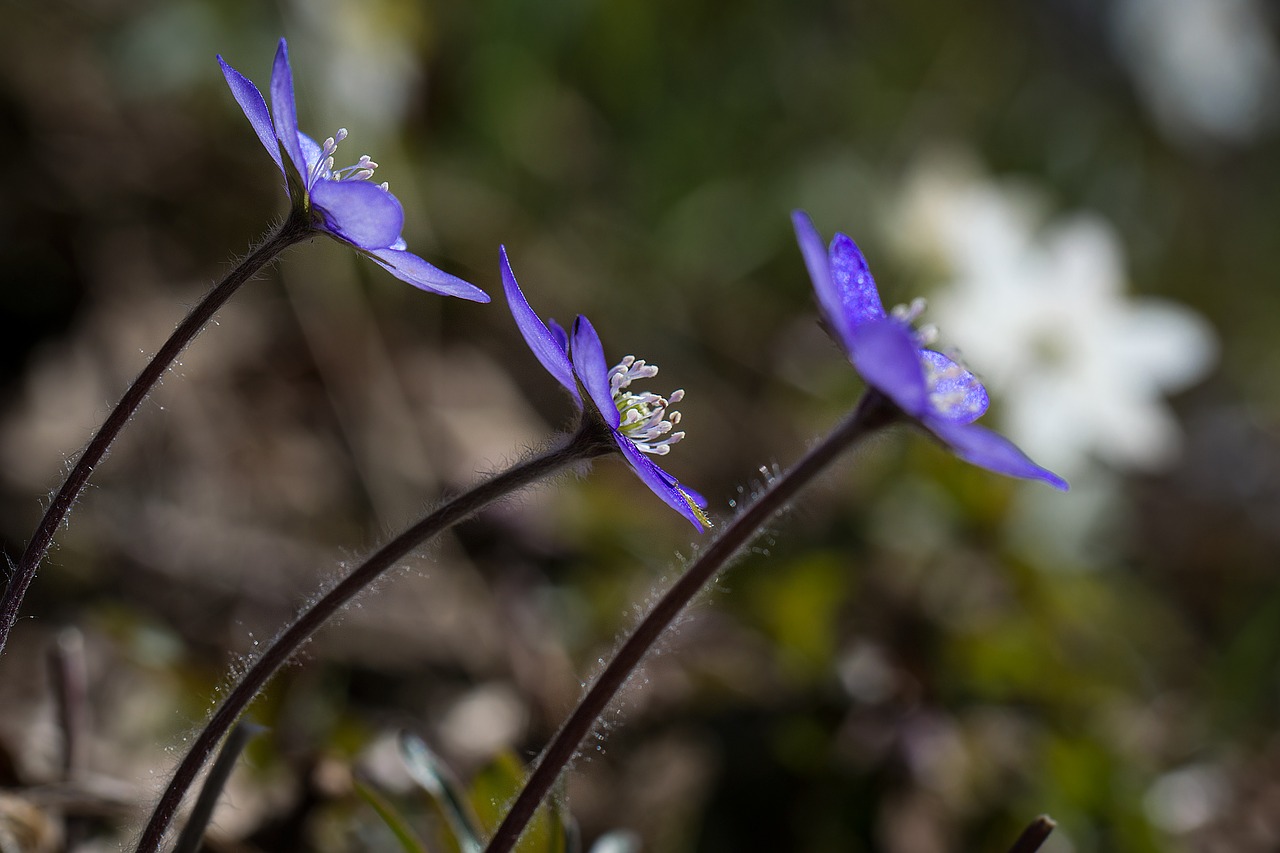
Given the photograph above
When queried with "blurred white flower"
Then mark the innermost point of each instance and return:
(1208, 69)
(372, 67)
(1186, 799)
(1041, 313)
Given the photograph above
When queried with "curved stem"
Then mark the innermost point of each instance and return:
(291, 231)
(202, 812)
(872, 413)
(589, 441)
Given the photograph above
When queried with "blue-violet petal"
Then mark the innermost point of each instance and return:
(255, 109)
(311, 153)
(662, 484)
(593, 372)
(550, 349)
(284, 109)
(818, 263)
(990, 450)
(407, 266)
(558, 332)
(955, 394)
(363, 214)
(888, 358)
(853, 282)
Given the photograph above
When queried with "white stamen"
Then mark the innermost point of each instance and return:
(646, 418)
(361, 170)
(910, 313)
(958, 397)
(927, 334)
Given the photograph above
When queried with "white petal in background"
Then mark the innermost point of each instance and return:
(1207, 69)
(1078, 369)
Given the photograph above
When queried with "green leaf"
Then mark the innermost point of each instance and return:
(497, 785)
(438, 780)
(395, 821)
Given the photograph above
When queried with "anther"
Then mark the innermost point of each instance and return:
(645, 417)
(909, 313)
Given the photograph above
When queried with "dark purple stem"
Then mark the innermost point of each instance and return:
(291, 231)
(873, 413)
(1034, 835)
(69, 674)
(193, 833)
(591, 440)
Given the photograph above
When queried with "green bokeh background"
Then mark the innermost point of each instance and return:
(885, 671)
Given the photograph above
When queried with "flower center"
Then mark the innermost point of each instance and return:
(361, 170)
(645, 419)
(954, 392)
(908, 314)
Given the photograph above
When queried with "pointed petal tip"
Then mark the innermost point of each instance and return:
(1057, 482)
(504, 269)
(800, 220)
(662, 484)
(547, 347)
(410, 268)
(988, 449)
(589, 365)
(284, 107)
(254, 108)
(698, 511)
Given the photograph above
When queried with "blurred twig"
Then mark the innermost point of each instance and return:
(1034, 835)
(395, 821)
(438, 780)
(70, 679)
(193, 832)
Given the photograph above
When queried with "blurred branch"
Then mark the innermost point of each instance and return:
(1034, 835)
(193, 832)
(70, 679)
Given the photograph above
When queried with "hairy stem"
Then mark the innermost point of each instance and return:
(872, 413)
(589, 441)
(291, 231)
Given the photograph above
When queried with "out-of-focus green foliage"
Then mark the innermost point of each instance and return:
(495, 786)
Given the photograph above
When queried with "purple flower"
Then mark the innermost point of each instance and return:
(639, 422)
(340, 202)
(893, 358)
